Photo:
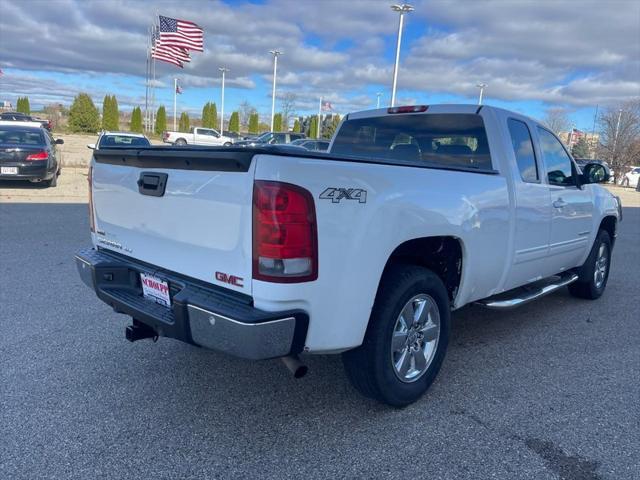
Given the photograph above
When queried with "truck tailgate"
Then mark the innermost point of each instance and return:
(200, 226)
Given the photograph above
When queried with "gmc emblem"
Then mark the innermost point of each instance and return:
(230, 279)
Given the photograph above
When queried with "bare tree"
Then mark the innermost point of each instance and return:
(557, 120)
(620, 135)
(246, 109)
(288, 106)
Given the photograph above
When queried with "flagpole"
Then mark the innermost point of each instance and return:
(319, 118)
(175, 95)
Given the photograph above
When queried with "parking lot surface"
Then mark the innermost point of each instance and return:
(551, 390)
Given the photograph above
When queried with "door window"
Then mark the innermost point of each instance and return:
(556, 160)
(523, 149)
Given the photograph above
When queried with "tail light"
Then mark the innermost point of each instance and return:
(285, 239)
(92, 222)
(165, 135)
(40, 156)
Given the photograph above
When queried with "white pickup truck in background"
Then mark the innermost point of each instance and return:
(365, 250)
(197, 136)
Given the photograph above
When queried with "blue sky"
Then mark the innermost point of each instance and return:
(533, 55)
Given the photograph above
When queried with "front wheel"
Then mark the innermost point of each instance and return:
(594, 274)
(406, 339)
(227, 144)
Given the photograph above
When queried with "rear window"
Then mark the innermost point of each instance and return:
(21, 136)
(123, 141)
(449, 140)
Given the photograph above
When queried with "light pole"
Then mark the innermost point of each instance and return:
(378, 95)
(175, 94)
(481, 86)
(223, 70)
(402, 10)
(275, 54)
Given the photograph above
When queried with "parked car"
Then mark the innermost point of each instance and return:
(271, 138)
(120, 140)
(28, 152)
(23, 117)
(197, 136)
(364, 250)
(630, 179)
(311, 144)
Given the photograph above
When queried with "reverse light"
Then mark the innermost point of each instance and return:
(408, 109)
(285, 239)
(41, 156)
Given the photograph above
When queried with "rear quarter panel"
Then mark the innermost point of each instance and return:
(356, 239)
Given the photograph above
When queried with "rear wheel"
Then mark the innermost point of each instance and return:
(53, 182)
(406, 339)
(594, 274)
(181, 142)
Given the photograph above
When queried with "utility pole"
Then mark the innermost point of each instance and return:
(615, 139)
(481, 86)
(402, 10)
(593, 133)
(223, 70)
(275, 54)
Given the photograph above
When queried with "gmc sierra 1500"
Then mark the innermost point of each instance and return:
(365, 250)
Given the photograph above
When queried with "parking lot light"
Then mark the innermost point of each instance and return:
(275, 54)
(223, 70)
(481, 86)
(402, 10)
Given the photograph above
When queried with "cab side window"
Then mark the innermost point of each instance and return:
(556, 160)
(523, 149)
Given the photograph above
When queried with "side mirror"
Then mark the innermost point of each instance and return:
(59, 141)
(595, 173)
(92, 146)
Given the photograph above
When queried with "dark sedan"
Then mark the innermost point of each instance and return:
(28, 153)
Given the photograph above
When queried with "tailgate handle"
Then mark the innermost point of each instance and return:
(152, 183)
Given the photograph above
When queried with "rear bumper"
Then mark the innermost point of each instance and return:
(35, 171)
(200, 314)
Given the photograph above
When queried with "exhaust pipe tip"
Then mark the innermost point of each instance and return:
(295, 366)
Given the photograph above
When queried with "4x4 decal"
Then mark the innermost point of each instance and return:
(337, 194)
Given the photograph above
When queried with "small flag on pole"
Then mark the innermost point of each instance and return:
(178, 89)
(326, 106)
(181, 33)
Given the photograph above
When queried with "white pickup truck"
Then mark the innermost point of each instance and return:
(197, 136)
(365, 250)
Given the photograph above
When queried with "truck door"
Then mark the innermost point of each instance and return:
(532, 210)
(571, 206)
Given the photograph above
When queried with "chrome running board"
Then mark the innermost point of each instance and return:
(521, 295)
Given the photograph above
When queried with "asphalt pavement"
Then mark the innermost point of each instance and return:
(551, 390)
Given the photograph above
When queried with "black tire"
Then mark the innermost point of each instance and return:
(227, 144)
(181, 142)
(586, 285)
(369, 367)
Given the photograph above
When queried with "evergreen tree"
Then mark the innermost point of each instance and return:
(277, 122)
(183, 123)
(22, 105)
(214, 116)
(83, 115)
(253, 123)
(234, 122)
(313, 127)
(114, 116)
(205, 115)
(296, 126)
(106, 112)
(332, 127)
(136, 120)
(580, 149)
(161, 120)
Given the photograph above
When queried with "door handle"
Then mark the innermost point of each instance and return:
(559, 203)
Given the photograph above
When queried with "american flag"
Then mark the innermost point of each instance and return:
(180, 33)
(178, 88)
(159, 55)
(326, 106)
